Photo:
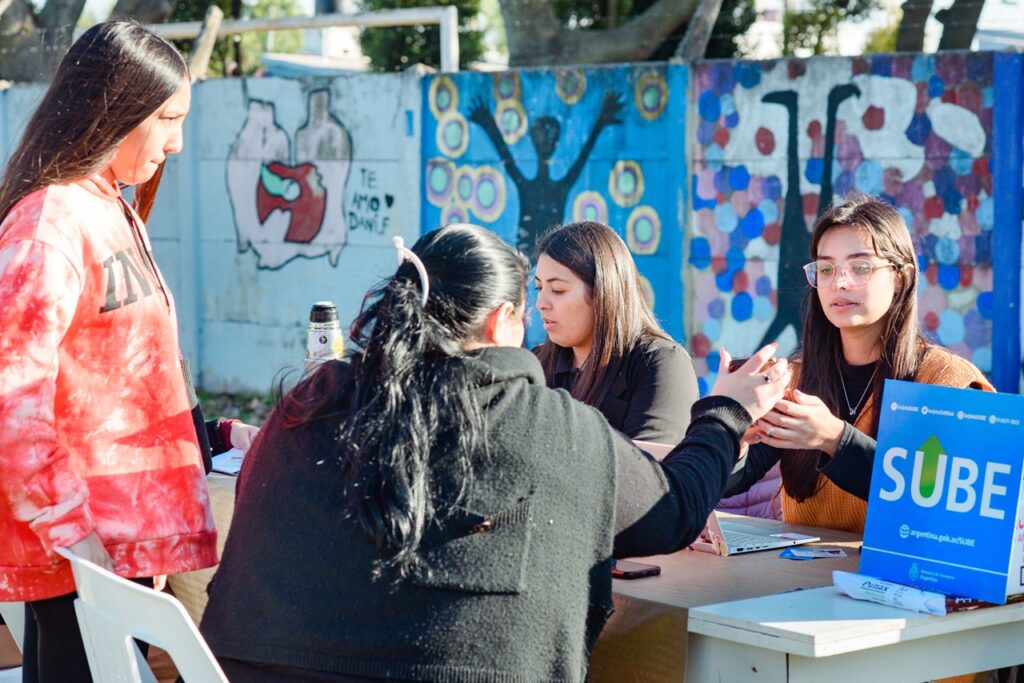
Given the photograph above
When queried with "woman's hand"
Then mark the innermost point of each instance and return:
(801, 421)
(242, 435)
(91, 548)
(756, 385)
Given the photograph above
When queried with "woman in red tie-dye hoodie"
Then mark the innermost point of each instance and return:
(98, 452)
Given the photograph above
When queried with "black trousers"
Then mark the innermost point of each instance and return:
(53, 648)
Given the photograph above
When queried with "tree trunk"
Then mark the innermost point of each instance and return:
(537, 38)
(698, 31)
(202, 47)
(143, 11)
(910, 36)
(34, 45)
(959, 24)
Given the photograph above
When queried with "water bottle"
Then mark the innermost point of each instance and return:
(324, 340)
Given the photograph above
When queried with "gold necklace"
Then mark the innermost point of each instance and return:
(854, 408)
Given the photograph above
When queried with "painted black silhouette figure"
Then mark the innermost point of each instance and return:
(795, 240)
(836, 96)
(542, 198)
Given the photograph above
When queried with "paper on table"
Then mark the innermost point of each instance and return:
(229, 462)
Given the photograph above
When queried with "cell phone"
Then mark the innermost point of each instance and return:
(736, 363)
(624, 569)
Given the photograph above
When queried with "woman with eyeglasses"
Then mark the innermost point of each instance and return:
(860, 328)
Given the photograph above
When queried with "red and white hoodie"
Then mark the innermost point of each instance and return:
(96, 432)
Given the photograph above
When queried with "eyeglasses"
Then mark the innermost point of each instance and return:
(857, 272)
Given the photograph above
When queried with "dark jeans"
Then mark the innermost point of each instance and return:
(53, 649)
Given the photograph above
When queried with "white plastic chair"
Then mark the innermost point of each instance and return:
(14, 616)
(112, 612)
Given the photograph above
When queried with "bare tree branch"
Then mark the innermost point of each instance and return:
(202, 48)
(144, 11)
(698, 31)
(536, 37)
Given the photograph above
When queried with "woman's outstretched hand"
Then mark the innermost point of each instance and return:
(801, 421)
(757, 385)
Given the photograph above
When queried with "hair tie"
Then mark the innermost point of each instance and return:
(405, 254)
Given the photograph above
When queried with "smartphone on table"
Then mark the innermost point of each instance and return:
(625, 569)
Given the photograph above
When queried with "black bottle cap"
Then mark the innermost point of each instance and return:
(323, 312)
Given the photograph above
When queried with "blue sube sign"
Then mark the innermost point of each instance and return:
(944, 512)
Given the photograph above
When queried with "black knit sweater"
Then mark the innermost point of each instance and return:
(522, 601)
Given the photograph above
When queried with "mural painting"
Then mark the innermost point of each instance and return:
(290, 203)
(521, 151)
(777, 142)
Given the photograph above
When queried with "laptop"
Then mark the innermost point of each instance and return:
(730, 536)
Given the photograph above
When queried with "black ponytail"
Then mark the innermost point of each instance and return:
(410, 425)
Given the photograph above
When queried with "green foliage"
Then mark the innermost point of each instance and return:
(395, 49)
(249, 408)
(813, 28)
(222, 61)
(734, 20)
(598, 14)
(883, 38)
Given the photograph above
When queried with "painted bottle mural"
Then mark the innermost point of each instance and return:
(289, 204)
(328, 146)
(260, 142)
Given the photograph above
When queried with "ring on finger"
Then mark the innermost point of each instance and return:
(770, 431)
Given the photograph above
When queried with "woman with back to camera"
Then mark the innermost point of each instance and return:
(604, 345)
(98, 449)
(861, 328)
(429, 510)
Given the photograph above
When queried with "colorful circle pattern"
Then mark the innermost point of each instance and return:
(643, 231)
(507, 86)
(511, 119)
(443, 97)
(590, 206)
(570, 84)
(440, 180)
(626, 183)
(651, 95)
(452, 134)
(489, 194)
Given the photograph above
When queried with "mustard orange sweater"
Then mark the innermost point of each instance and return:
(833, 508)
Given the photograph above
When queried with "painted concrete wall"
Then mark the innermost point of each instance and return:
(290, 190)
(520, 151)
(767, 146)
(776, 142)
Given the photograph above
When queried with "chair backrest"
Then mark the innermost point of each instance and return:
(14, 616)
(112, 612)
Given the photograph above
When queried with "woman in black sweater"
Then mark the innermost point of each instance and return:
(428, 510)
(604, 345)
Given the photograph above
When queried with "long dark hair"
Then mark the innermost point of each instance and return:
(901, 344)
(113, 77)
(622, 316)
(409, 424)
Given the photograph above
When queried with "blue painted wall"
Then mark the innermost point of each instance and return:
(631, 175)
